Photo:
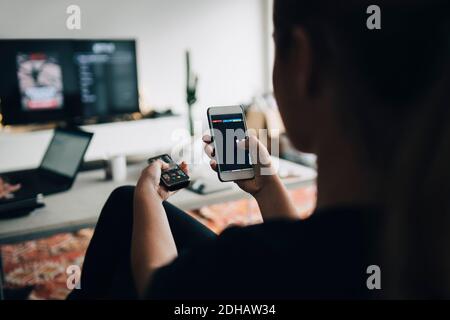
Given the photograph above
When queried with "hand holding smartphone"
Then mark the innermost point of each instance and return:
(228, 127)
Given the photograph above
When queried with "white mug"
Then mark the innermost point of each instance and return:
(117, 168)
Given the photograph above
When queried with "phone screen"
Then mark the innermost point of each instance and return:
(228, 130)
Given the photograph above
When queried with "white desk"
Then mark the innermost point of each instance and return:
(81, 206)
(26, 149)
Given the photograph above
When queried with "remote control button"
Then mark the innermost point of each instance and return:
(181, 173)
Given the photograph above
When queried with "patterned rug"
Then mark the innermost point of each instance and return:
(41, 264)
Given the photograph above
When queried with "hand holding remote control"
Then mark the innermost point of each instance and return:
(173, 178)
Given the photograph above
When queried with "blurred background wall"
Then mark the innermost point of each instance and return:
(229, 42)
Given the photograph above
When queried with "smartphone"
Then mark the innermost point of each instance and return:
(228, 127)
(173, 178)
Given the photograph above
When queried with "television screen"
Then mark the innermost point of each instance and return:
(40, 81)
(67, 80)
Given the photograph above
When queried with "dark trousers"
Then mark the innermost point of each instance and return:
(107, 266)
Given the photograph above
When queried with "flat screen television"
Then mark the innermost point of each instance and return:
(67, 80)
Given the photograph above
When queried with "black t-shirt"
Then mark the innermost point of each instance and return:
(325, 256)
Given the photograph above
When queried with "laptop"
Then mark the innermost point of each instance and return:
(58, 169)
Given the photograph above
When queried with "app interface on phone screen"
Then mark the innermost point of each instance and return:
(228, 129)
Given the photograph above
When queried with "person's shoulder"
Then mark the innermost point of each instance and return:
(320, 218)
(322, 225)
(256, 231)
(273, 235)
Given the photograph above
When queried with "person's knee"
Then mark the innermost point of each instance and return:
(124, 191)
(119, 207)
(168, 206)
(122, 196)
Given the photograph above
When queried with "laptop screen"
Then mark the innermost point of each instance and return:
(65, 153)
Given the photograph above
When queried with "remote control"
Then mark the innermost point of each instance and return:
(173, 178)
